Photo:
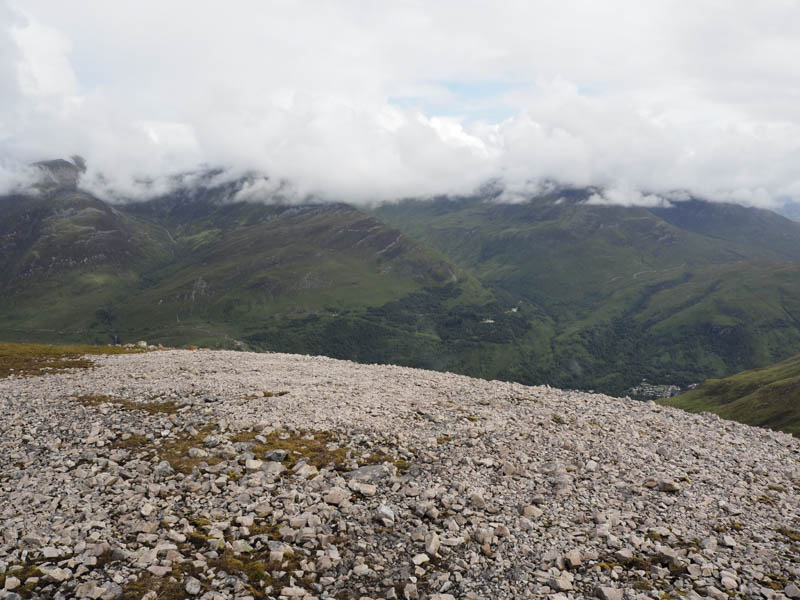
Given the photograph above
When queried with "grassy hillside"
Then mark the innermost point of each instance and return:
(249, 267)
(65, 257)
(768, 397)
(197, 267)
(673, 295)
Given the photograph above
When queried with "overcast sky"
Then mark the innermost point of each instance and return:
(369, 100)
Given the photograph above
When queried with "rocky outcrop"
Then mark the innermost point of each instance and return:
(234, 475)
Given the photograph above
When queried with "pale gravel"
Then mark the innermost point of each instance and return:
(480, 452)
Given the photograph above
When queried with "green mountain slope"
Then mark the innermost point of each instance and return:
(64, 258)
(199, 267)
(768, 397)
(248, 265)
(673, 295)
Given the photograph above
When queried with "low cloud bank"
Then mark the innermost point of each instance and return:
(308, 97)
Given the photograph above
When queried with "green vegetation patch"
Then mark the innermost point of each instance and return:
(253, 568)
(166, 588)
(23, 572)
(174, 450)
(789, 533)
(151, 408)
(30, 360)
(319, 448)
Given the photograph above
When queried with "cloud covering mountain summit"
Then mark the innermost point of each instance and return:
(359, 102)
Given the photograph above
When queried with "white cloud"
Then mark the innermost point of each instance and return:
(15, 177)
(659, 95)
(623, 194)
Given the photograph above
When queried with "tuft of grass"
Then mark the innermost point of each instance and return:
(30, 360)
(166, 588)
(252, 568)
(732, 525)
(176, 451)
(767, 499)
(28, 570)
(789, 533)
(271, 530)
(313, 447)
(94, 399)
(151, 408)
(134, 442)
(654, 536)
(776, 582)
(402, 465)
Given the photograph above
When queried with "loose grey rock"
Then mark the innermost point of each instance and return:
(432, 544)
(573, 558)
(12, 583)
(253, 464)
(608, 593)
(336, 495)
(385, 513)
(369, 474)
(669, 486)
(192, 586)
(562, 583)
(420, 559)
(477, 501)
(532, 512)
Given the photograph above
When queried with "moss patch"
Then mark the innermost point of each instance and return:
(30, 360)
(789, 533)
(28, 570)
(167, 588)
(151, 408)
(319, 448)
(176, 451)
(134, 442)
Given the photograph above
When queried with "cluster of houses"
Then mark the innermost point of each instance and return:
(652, 391)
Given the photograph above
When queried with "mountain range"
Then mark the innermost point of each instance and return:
(555, 289)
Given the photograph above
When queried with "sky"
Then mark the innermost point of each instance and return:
(365, 101)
